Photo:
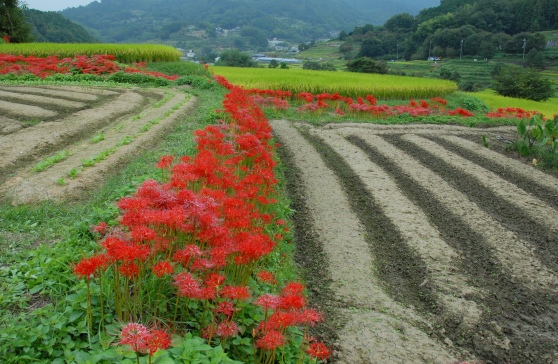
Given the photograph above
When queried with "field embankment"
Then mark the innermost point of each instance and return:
(430, 248)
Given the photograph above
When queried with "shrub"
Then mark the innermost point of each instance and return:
(514, 81)
(367, 65)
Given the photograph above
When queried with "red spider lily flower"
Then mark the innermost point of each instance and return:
(267, 277)
(208, 331)
(214, 280)
(227, 329)
(372, 100)
(235, 293)
(163, 268)
(7, 38)
(136, 336)
(187, 285)
(278, 321)
(292, 302)
(165, 161)
(143, 233)
(89, 266)
(101, 228)
(308, 316)
(319, 351)
(293, 288)
(190, 252)
(271, 340)
(129, 269)
(158, 339)
(268, 302)
(226, 308)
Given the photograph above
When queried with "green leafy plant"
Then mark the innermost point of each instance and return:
(97, 138)
(536, 132)
(50, 161)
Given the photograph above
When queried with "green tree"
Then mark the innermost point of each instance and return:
(535, 59)
(273, 63)
(12, 22)
(405, 23)
(514, 81)
(371, 47)
(367, 65)
(235, 58)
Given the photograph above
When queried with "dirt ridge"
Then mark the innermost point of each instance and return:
(510, 269)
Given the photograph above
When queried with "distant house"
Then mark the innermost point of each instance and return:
(258, 55)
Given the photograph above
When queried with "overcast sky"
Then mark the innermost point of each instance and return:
(55, 5)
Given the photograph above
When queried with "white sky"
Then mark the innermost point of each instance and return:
(55, 5)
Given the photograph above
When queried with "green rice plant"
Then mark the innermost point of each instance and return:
(345, 83)
(548, 108)
(50, 161)
(61, 181)
(126, 53)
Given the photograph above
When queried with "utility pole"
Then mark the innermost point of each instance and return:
(429, 49)
(524, 46)
(461, 54)
(397, 51)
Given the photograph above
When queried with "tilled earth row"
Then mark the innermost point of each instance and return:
(422, 246)
(97, 129)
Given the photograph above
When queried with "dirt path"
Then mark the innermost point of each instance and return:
(97, 139)
(444, 251)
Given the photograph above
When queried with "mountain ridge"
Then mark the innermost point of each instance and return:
(140, 20)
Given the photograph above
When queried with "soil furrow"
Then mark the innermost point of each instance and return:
(401, 269)
(27, 111)
(41, 100)
(422, 238)
(536, 183)
(73, 95)
(507, 302)
(25, 146)
(380, 329)
(530, 218)
(31, 186)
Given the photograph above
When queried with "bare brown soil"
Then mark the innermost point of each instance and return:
(129, 120)
(422, 246)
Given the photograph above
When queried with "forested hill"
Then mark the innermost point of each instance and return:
(295, 20)
(50, 26)
(458, 28)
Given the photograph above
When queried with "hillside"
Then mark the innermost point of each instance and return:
(51, 26)
(147, 20)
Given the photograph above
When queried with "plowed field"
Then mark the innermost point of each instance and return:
(422, 246)
(95, 129)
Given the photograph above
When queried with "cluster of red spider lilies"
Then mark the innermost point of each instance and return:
(101, 64)
(368, 106)
(189, 254)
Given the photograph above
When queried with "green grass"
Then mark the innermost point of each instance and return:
(548, 108)
(345, 83)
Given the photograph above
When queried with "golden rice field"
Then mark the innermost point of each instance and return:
(345, 83)
(123, 52)
(547, 108)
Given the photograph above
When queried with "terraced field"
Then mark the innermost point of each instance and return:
(59, 142)
(423, 246)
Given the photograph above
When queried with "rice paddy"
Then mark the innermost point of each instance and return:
(345, 83)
